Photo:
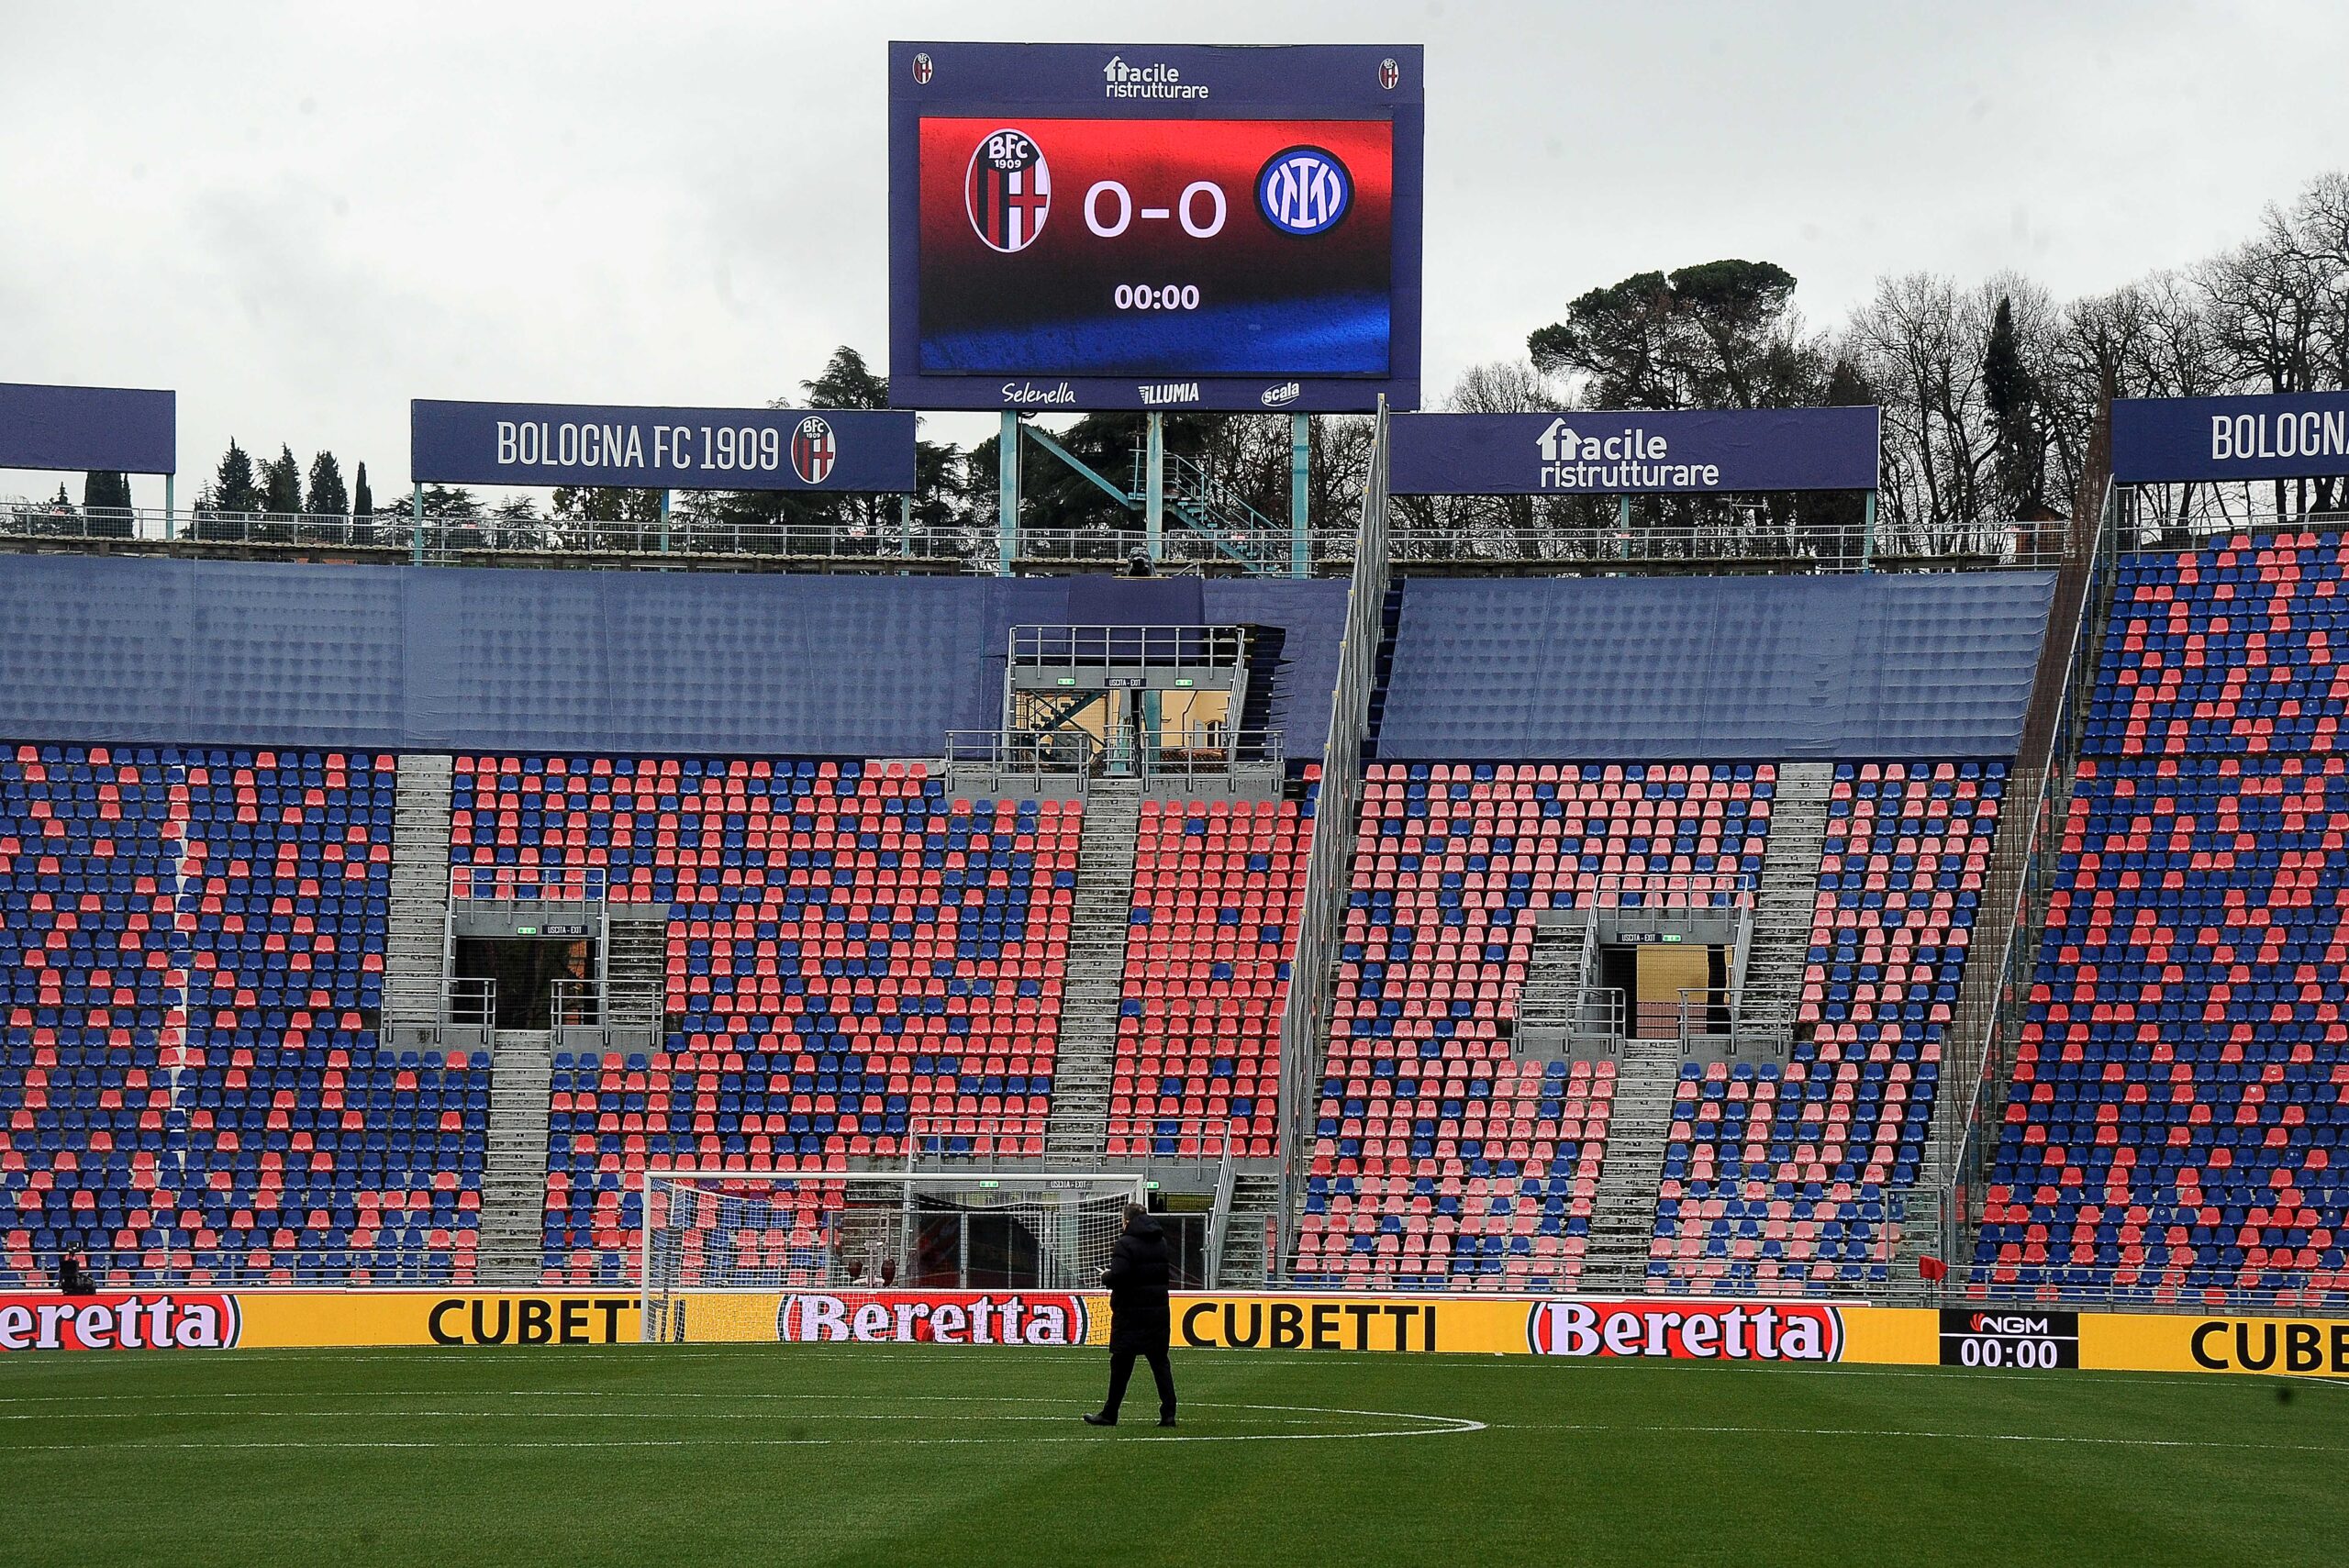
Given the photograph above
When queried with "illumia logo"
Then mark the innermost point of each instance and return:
(1123, 81)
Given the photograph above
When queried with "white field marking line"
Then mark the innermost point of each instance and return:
(1901, 1432)
(1437, 1425)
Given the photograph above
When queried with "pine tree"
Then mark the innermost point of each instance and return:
(105, 502)
(233, 489)
(362, 500)
(2012, 394)
(326, 497)
(281, 478)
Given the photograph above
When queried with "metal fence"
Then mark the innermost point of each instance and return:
(972, 546)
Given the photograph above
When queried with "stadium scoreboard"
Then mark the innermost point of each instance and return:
(1079, 227)
(2024, 1339)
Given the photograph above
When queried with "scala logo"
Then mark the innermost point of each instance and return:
(813, 449)
(160, 1321)
(901, 1318)
(923, 70)
(1688, 1331)
(1008, 190)
(1304, 191)
(1282, 395)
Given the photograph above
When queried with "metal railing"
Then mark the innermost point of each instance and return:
(1469, 541)
(510, 885)
(1099, 650)
(1038, 758)
(1977, 1061)
(1213, 751)
(1660, 892)
(599, 1003)
(470, 1003)
(1306, 1011)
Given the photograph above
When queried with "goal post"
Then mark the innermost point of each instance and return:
(730, 1254)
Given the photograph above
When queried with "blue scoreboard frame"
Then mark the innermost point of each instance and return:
(1282, 307)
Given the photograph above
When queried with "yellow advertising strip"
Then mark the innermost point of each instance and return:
(2301, 1347)
(1670, 1329)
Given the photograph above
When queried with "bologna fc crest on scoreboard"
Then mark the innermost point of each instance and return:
(813, 449)
(1008, 190)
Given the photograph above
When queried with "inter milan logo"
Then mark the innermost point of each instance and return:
(1304, 191)
(813, 449)
(1389, 73)
(924, 69)
(1008, 191)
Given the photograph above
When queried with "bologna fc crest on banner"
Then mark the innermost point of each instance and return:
(813, 449)
(924, 69)
(1008, 191)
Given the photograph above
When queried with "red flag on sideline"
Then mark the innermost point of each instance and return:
(1932, 1268)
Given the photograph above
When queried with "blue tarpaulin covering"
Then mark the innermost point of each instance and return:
(95, 649)
(1715, 668)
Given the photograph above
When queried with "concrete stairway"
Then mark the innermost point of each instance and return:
(1786, 898)
(414, 946)
(1078, 1129)
(1552, 995)
(514, 1180)
(1623, 1212)
(637, 966)
(1255, 1197)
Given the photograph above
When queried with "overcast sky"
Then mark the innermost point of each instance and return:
(301, 215)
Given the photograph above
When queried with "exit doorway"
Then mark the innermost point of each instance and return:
(524, 970)
(1662, 982)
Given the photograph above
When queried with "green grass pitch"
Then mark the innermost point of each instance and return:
(649, 1457)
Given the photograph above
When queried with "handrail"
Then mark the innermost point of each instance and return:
(1306, 1013)
(2049, 768)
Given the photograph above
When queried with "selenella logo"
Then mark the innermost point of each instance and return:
(1282, 395)
(1121, 80)
(1028, 392)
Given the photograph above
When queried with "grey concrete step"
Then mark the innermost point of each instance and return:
(1084, 1068)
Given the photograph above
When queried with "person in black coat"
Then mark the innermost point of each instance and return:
(1141, 1323)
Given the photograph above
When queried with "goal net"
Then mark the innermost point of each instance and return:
(810, 1255)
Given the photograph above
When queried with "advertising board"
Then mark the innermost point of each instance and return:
(112, 429)
(1667, 452)
(852, 451)
(1099, 227)
(2170, 441)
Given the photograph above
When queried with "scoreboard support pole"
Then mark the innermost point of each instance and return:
(665, 521)
(1867, 536)
(416, 512)
(1300, 474)
(1154, 514)
(1007, 470)
(168, 508)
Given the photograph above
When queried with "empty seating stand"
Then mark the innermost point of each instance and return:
(855, 958)
(1776, 1178)
(192, 953)
(1213, 926)
(1439, 1160)
(2178, 1122)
